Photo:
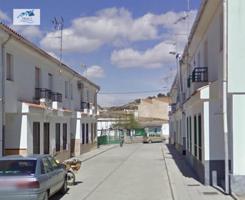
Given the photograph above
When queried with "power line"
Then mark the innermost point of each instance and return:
(132, 92)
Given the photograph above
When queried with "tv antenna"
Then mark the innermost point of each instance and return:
(59, 25)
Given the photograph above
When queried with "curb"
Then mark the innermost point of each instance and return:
(103, 151)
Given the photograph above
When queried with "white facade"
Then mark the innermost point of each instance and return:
(63, 94)
(197, 124)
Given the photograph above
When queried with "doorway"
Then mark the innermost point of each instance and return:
(46, 138)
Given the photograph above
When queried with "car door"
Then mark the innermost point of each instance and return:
(59, 173)
(51, 175)
(43, 177)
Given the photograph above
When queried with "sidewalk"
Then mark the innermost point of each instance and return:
(95, 152)
(183, 182)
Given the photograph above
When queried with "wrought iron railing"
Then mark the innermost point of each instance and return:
(200, 74)
(56, 97)
(85, 105)
(43, 93)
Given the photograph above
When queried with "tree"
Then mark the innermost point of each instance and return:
(128, 123)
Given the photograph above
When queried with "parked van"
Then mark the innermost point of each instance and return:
(152, 137)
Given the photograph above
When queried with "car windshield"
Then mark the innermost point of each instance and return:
(17, 167)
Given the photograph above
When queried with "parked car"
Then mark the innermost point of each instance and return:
(35, 177)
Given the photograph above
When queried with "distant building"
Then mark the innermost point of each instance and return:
(152, 114)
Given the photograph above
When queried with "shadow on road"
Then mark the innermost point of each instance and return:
(181, 162)
(58, 196)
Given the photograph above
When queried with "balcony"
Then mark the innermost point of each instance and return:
(57, 97)
(43, 93)
(173, 107)
(200, 74)
(85, 106)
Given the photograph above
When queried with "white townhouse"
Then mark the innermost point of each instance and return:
(208, 96)
(46, 107)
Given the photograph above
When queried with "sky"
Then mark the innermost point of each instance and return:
(121, 45)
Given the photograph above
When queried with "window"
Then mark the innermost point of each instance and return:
(206, 53)
(199, 59)
(42, 167)
(187, 131)
(87, 138)
(71, 91)
(195, 136)
(190, 128)
(66, 89)
(83, 133)
(64, 136)
(17, 167)
(9, 67)
(36, 138)
(200, 136)
(47, 165)
(95, 130)
(88, 96)
(50, 81)
(221, 31)
(57, 137)
(37, 77)
(53, 163)
(92, 132)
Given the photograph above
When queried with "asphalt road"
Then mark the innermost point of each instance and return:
(133, 172)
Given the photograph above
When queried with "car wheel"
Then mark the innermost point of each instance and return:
(70, 178)
(45, 196)
(64, 187)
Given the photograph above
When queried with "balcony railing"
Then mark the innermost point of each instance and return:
(56, 97)
(43, 93)
(85, 105)
(200, 74)
(173, 107)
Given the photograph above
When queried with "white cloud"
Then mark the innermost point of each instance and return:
(4, 16)
(29, 32)
(94, 71)
(114, 26)
(151, 58)
(177, 29)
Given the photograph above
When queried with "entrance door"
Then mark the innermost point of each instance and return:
(36, 138)
(46, 138)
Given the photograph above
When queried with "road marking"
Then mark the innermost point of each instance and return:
(111, 173)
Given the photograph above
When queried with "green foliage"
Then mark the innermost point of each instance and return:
(128, 123)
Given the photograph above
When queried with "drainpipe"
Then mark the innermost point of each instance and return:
(224, 84)
(3, 93)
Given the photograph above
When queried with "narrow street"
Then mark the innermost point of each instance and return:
(134, 172)
(138, 172)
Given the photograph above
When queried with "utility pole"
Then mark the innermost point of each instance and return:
(59, 25)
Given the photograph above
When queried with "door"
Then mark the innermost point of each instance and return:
(36, 138)
(46, 138)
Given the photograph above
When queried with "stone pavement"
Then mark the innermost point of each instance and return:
(183, 182)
